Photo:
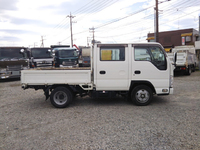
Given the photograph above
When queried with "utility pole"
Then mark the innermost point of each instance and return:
(70, 16)
(199, 32)
(92, 30)
(42, 44)
(88, 41)
(156, 23)
(156, 34)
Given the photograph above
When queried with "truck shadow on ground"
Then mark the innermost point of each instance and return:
(95, 102)
(88, 101)
(160, 100)
(98, 101)
(78, 101)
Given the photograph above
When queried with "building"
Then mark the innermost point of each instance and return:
(169, 39)
(197, 47)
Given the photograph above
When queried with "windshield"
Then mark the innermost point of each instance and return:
(40, 53)
(11, 53)
(67, 53)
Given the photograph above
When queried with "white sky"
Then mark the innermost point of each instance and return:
(23, 22)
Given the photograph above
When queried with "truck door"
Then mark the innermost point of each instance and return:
(150, 64)
(111, 65)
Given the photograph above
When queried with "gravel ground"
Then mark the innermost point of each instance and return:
(28, 122)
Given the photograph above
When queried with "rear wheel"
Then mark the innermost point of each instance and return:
(189, 70)
(193, 67)
(61, 97)
(141, 95)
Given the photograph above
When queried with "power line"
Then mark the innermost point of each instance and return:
(168, 9)
(119, 19)
(136, 22)
(86, 8)
(97, 8)
(145, 29)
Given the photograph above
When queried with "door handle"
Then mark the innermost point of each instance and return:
(137, 71)
(102, 72)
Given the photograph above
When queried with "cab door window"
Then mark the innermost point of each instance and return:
(112, 54)
(142, 54)
(153, 54)
(158, 58)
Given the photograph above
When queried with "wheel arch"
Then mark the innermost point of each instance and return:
(73, 88)
(140, 82)
(62, 85)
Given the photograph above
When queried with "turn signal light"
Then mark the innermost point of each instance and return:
(164, 90)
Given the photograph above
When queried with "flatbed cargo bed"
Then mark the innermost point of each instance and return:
(50, 76)
(62, 68)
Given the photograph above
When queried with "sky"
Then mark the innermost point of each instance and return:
(27, 22)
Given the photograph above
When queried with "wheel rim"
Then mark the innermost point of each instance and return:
(60, 98)
(142, 96)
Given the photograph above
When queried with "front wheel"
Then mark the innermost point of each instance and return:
(61, 97)
(141, 95)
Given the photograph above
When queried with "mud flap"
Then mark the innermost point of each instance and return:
(46, 92)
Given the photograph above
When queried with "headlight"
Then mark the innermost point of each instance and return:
(65, 63)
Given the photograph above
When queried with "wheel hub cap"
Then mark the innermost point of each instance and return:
(142, 96)
(60, 98)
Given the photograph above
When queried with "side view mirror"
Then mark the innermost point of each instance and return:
(52, 52)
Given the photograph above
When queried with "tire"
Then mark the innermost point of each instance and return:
(193, 67)
(189, 71)
(141, 95)
(61, 97)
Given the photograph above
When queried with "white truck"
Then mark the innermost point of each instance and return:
(186, 58)
(84, 58)
(136, 71)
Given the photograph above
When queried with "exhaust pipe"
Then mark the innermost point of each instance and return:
(24, 86)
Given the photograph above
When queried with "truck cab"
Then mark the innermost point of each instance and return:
(12, 61)
(65, 57)
(120, 66)
(40, 57)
